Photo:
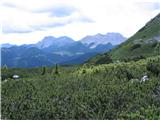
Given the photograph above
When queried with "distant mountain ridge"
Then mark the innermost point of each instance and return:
(51, 50)
(50, 40)
(93, 41)
(6, 45)
(89, 41)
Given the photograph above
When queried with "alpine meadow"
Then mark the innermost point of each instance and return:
(99, 77)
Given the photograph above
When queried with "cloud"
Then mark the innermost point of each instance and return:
(60, 22)
(27, 25)
(7, 30)
(10, 28)
(10, 5)
(156, 6)
(43, 27)
(62, 11)
(20, 17)
(150, 6)
(25, 21)
(58, 11)
(73, 18)
(86, 19)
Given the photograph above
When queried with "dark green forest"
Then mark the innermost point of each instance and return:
(108, 91)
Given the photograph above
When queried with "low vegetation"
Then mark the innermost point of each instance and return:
(108, 91)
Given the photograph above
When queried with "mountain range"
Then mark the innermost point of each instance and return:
(111, 47)
(62, 50)
(144, 43)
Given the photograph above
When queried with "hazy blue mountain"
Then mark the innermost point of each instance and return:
(6, 45)
(103, 48)
(68, 49)
(24, 56)
(28, 57)
(79, 59)
(52, 41)
(51, 50)
(98, 39)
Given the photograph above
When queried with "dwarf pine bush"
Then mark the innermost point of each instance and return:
(43, 71)
(154, 66)
(109, 93)
(56, 69)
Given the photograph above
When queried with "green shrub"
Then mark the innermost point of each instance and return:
(89, 92)
(43, 71)
(56, 69)
(135, 46)
(154, 67)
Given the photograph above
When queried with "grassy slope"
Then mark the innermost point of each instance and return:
(127, 49)
(151, 29)
(97, 92)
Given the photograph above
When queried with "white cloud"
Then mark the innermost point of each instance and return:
(79, 18)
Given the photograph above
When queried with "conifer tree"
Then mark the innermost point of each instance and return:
(5, 67)
(43, 71)
(56, 69)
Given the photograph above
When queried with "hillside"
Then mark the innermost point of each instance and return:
(144, 43)
(28, 57)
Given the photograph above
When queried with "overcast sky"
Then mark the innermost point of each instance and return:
(29, 21)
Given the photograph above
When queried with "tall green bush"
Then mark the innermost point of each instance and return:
(43, 71)
(56, 69)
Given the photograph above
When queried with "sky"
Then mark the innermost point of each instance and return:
(29, 21)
